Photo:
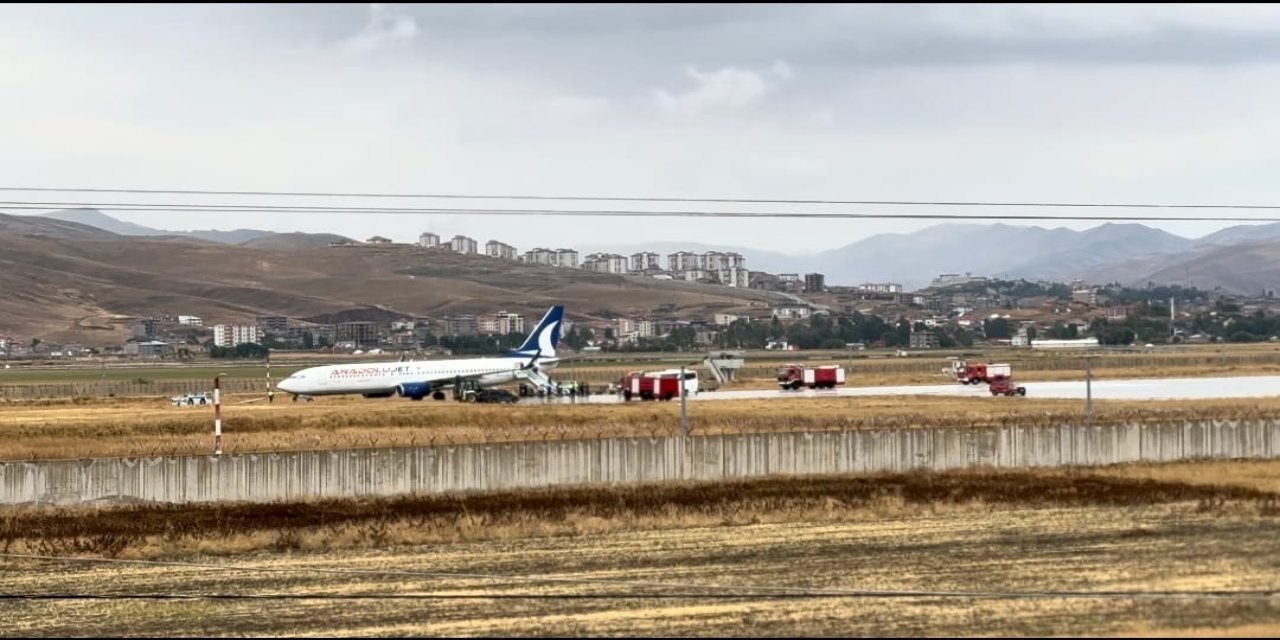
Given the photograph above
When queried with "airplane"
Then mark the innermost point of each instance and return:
(417, 380)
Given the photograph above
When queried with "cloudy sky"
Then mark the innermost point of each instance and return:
(1159, 104)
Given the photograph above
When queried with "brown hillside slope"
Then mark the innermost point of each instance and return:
(59, 288)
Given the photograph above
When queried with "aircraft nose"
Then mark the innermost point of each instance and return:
(287, 386)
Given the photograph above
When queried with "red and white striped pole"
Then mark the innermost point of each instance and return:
(217, 415)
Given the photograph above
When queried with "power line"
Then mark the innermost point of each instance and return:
(202, 208)
(456, 196)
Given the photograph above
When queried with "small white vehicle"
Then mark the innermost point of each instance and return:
(190, 400)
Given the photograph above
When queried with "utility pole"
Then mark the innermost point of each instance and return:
(217, 414)
(271, 394)
(684, 415)
(1088, 391)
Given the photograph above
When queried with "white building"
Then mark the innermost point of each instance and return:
(881, 287)
(510, 323)
(227, 335)
(191, 321)
(540, 256)
(605, 263)
(429, 240)
(566, 258)
(692, 275)
(1081, 343)
(496, 249)
(463, 244)
(791, 312)
(951, 279)
(682, 261)
(593, 262)
(645, 261)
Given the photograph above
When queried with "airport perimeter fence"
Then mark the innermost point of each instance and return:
(297, 475)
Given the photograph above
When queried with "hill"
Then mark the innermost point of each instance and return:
(1128, 253)
(52, 228)
(296, 240)
(100, 220)
(1241, 233)
(87, 289)
(1001, 250)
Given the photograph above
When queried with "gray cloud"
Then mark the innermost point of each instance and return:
(982, 102)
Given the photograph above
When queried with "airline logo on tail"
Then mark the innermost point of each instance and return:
(543, 339)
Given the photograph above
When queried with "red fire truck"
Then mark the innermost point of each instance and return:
(1004, 386)
(650, 386)
(794, 376)
(978, 372)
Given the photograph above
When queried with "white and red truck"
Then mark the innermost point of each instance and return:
(794, 376)
(978, 372)
(659, 385)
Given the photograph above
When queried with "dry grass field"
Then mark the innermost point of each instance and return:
(998, 553)
(150, 427)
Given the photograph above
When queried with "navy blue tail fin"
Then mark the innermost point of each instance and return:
(543, 339)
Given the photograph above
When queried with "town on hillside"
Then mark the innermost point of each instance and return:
(953, 311)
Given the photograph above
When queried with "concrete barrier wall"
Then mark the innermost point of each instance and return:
(265, 477)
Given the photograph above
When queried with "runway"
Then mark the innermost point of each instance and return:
(1131, 389)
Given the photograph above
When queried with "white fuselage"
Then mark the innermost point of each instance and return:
(384, 377)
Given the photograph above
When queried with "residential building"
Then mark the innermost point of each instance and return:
(465, 245)
(724, 319)
(273, 325)
(510, 322)
(465, 325)
(646, 329)
(566, 258)
(924, 340)
(429, 240)
(881, 287)
(363, 334)
(789, 277)
(487, 325)
(230, 335)
(146, 327)
(191, 321)
(496, 249)
(378, 240)
(605, 263)
(645, 261)
(952, 279)
(814, 283)
(682, 261)
(593, 262)
(791, 311)
(540, 256)
(693, 275)
(1085, 296)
